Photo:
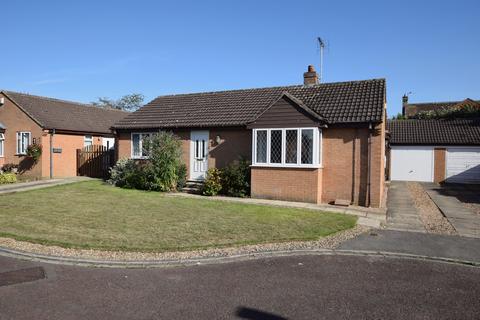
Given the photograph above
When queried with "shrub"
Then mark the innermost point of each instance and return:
(163, 171)
(10, 168)
(236, 179)
(213, 182)
(165, 151)
(7, 178)
(34, 151)
(181, 176)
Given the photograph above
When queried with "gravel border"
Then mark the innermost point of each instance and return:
(433, 219)
(329, 242)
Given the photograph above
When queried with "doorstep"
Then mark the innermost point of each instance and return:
(371, 217)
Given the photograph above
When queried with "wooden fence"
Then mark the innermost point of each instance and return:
(95, 161)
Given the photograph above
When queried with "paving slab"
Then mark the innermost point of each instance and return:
(464, 220)
(402, 213)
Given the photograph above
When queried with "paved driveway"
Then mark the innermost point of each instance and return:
(451, 199)
(303, 287)
(402, 213)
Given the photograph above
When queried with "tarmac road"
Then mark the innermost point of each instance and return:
(299, 287)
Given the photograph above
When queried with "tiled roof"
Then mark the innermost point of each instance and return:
(412, 109)
(58, 114)
(340, 102)
(435, 132)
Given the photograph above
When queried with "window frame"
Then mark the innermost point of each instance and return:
(2, 144)
(19, 135)
(85, 140)
(140, 142)
(317, 148)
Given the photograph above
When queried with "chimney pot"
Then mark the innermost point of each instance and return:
(310, 77)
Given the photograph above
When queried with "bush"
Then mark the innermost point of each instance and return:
(181, 176)
(163, 171)
(7, 178)
(34, 151)
(10, 168)
(236, 179)
(165, 151)
(213, 182)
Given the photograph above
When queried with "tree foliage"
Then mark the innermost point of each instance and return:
(129, 102)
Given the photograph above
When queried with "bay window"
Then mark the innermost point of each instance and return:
(138, 151)
(23, 141)
(287, 147)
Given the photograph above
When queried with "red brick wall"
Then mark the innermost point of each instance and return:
(234, 143)
(16, 120)
(64, 163)
(293, 184)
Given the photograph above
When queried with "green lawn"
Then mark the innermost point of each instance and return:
(94, 215)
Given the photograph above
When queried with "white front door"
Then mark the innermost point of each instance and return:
(198, 154)
(411, 163)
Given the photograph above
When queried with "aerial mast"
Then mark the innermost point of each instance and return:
(321, 43)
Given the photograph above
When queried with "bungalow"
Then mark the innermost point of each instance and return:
(66, 126)
(317, 143)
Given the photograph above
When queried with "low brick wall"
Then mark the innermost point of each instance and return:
(292, 184)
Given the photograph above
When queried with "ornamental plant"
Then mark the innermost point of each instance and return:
(213, 182)
(7, 178)
(34, 151)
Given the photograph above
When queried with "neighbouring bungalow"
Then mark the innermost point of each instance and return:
(435, 150)
(66, 126)
(317, 143)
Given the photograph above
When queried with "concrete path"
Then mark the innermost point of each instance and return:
(39, 184)
(402, 213)
(464, 220)
(300, 287)
(423, 244)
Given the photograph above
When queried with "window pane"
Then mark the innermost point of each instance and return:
(262, 146)
(307, 146)
(276, 146)
(291, 146)
(136, 145)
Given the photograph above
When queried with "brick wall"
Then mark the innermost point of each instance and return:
(64, 163)
(291, 184)
(439, 163)
(234, 143)
(16, 120)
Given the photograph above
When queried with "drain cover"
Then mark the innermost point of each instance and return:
(22, 275)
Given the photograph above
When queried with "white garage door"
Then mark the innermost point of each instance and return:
(463, 165)
(411, 163)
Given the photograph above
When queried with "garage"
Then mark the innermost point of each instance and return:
(463, 165)
(440, 150)
(411, 163)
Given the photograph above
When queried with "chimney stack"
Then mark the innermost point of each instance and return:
(404, 104)
(310, 77)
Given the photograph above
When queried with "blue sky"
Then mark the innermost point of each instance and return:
(87, 49)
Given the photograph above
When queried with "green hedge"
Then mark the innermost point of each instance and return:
(7, 178)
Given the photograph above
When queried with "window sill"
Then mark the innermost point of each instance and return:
(293, 166)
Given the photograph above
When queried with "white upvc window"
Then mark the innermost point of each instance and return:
(287, 147)
(87, 140)
(24, 139)
(2, 144)
(138, 151)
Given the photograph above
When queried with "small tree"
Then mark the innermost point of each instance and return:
(165, 152)
(129, 102)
